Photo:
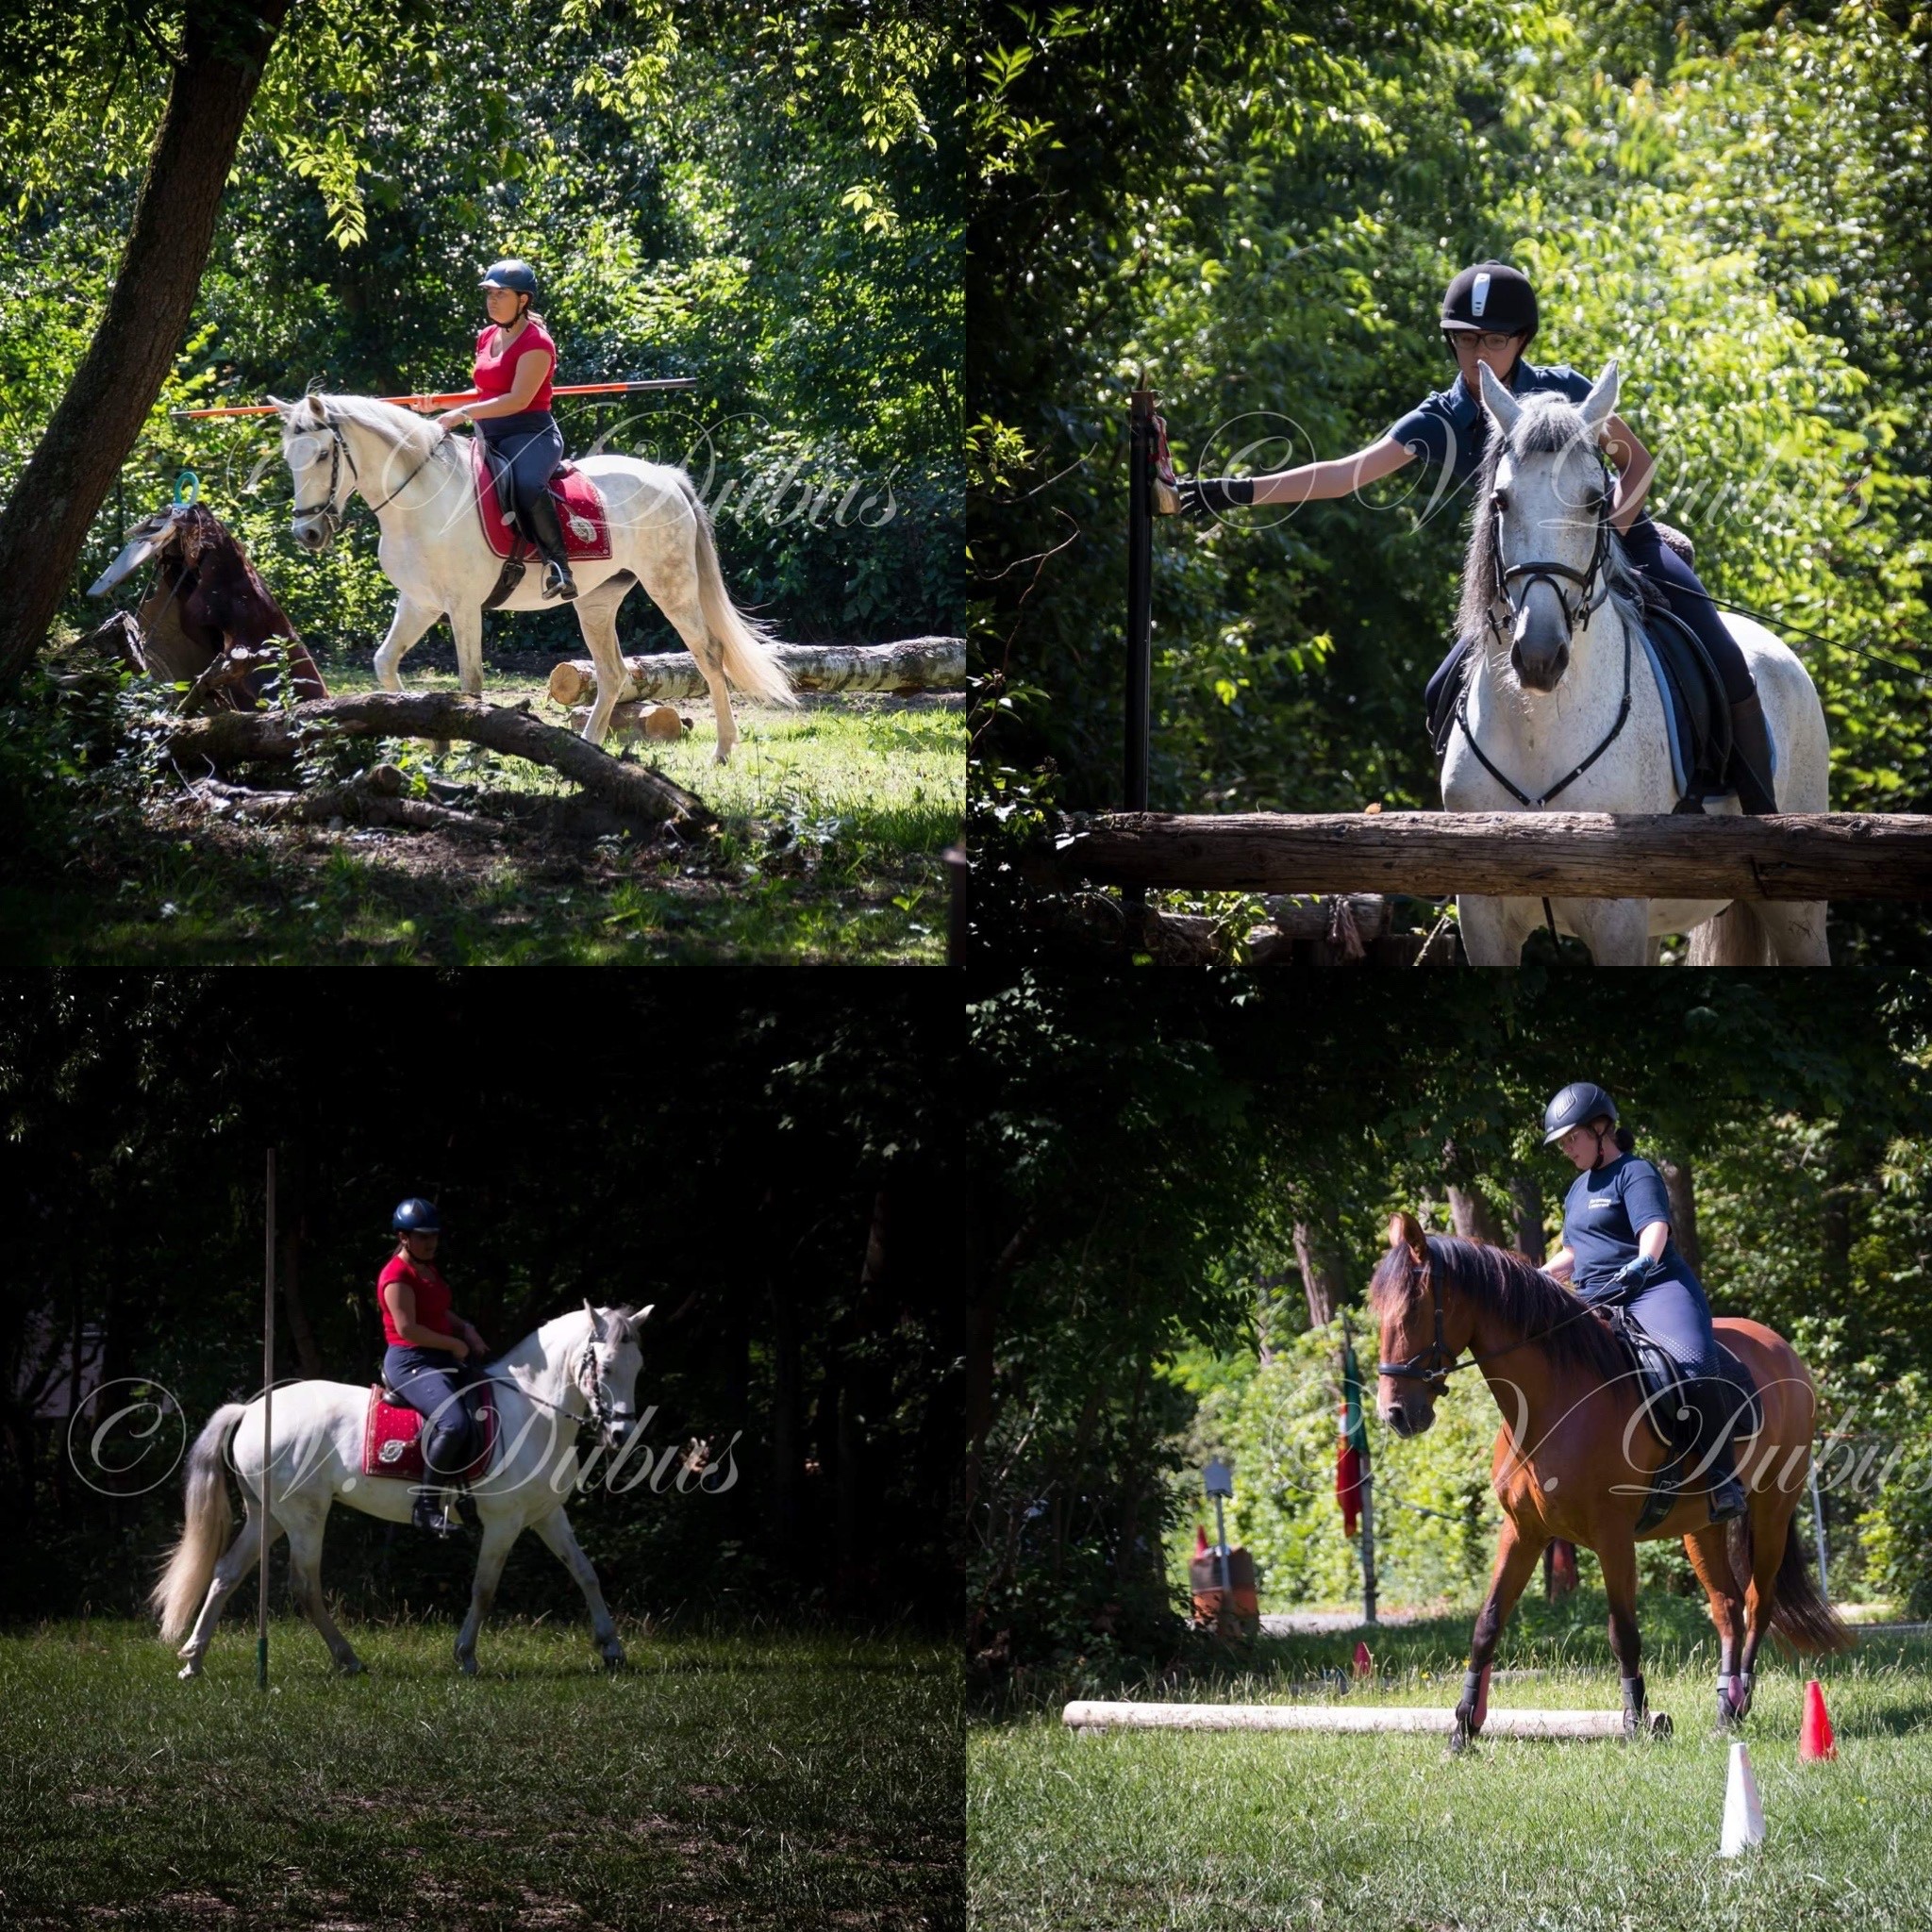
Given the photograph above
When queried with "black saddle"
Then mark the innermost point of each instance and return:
(1674, 1417)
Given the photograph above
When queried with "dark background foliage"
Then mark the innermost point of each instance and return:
(728, 1158)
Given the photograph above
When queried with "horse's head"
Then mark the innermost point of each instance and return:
(606, 1370)
(1540, 544)
(314, 451)
(1423, 1328)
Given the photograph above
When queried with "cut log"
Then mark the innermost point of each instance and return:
(1510, 854)
(1096, 1716)
(637, 718)
(232, 737)
(913, 664)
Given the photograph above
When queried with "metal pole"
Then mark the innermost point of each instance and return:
(1221, 1545)
(1368, 1491)
(1140, 596)
(1817, 1530)
(268, 1391)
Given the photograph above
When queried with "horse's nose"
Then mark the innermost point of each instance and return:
(1395, 1418)
(1538, 667)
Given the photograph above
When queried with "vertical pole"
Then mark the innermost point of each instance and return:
(1140, 596)
(268, 1390)
(1817, 1530)
(1221, 1545)
(1368, 1494)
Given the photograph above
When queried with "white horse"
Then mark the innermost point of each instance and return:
(574, 1368)
(422, 484)
(1546, 692)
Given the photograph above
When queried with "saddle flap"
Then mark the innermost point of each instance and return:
(582, 515)
(1745, 1404)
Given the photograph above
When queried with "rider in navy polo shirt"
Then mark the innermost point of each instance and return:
(1617, 1248)
(1489, 316)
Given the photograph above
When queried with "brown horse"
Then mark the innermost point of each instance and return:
(1576, 1456)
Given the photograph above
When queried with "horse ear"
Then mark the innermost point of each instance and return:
(1600, 405)
(1497, 400)
(591, 1313)
(1406, 1231)
(638, 1320)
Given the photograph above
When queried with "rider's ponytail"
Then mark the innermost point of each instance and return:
(1625, 1139)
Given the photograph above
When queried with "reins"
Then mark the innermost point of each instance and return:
(1442, 1364)
(338, 449)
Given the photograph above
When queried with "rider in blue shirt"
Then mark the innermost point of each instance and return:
(1617, 1248)
(1489, 316)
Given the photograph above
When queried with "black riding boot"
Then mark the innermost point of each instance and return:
(429, 1512)
(540, 519)
(1713, 1401)
(1751, 756)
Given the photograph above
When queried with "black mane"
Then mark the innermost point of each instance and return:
(1509, 1287)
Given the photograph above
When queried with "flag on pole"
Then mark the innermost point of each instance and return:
(1355, 1441)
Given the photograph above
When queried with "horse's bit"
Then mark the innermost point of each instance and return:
(337, 450)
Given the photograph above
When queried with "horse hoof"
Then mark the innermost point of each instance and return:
(466, 1664)
(188, 1670)
(351, 1667)
(1661, 1725)
(616, 1661)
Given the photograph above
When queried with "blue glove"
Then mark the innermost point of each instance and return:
(1632, 1276)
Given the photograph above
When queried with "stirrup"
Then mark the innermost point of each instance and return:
(431, 1512)
(1728, 1501)
(558, 581)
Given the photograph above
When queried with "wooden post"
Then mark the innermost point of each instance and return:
(268, 1390)
(1368, 1492)
(1140, 596)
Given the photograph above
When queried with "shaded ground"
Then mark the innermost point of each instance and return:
(753, 1782)
(834, 819)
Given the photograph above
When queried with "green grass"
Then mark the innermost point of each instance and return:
(834, 819)
(1392, 1834)
(724, 1780)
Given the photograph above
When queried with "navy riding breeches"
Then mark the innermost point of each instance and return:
(430, 1381)
(532, 446)
(1673, 1313)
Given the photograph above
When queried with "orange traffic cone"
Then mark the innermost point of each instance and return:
(1814, 1734)
(1364, 1663)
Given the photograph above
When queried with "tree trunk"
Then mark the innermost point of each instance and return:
(1527, 1211)
(1683, 1201)
(787, 1399)
(1320, 1281)
(44, 526)
(1469, 1212)
(851, 1424)
(288, 1262)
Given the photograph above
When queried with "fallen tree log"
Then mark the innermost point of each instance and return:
(1508, 854)
(230, 737)
(639, 718)
(365, 801)
(913, 664)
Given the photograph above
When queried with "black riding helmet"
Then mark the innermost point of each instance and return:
(511, 274)
(1576, 1106)
(1491, 298)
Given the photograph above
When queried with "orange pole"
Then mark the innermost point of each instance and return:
(450, 402)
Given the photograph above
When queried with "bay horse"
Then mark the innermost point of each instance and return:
(422, 484)
(1560, 713)
(581, 1367)
(1575, 1454)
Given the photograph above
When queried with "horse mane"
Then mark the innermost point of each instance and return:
(409, 431)
(1549, 424)
(1511, 1287)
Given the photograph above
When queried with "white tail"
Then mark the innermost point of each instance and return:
(748, 643)
(179, 1594)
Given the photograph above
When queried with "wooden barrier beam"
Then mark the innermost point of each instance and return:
(1096, 1716)
(912, 664)
(1508, 855)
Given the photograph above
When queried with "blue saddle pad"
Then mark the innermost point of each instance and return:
(1697, 717)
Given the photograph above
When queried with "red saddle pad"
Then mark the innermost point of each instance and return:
(579, 510)
(393, 1439)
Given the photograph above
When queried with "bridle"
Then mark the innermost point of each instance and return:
(1593, 585)
(589, 1384)
(339, 452)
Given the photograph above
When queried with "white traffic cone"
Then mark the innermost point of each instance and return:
(1743, 1814)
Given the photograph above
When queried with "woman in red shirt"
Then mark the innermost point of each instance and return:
(516, 364)
(427, 1340)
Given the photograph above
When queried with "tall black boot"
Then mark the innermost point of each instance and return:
(1715, 1414)
(540, 519)
(1751, 756)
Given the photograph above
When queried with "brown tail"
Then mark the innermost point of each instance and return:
(1798, 1613)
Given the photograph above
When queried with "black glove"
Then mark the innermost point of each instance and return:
(1204, 496)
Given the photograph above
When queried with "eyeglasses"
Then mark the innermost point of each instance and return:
(1461, 339)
